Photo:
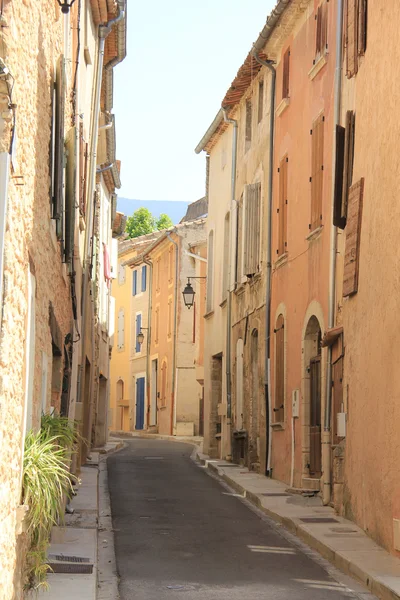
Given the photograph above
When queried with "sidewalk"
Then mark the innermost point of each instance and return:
(338, 540)
(85, 545)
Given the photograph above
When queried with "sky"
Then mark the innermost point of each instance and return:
(182, 57)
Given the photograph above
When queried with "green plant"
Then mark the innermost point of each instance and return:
(46, 483)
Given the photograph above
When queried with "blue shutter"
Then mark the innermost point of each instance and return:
(138, 327)
(144, 273)
(134, 283)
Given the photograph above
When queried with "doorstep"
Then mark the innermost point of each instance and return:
(337, 539)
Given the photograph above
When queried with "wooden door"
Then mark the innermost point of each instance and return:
(315, 417)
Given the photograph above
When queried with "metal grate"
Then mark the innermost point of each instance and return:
(72, 559)
(319, 520)
(86, 569)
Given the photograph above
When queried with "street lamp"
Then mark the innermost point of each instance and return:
(140, 336)
(65, 5)
(189, 293)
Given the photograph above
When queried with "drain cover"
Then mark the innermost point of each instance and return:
(67, 568)
(319, 520)
(277, 495)
(72, 559)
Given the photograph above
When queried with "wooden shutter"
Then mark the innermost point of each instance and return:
(317, 168)
(70, 195)
(338, 220)
(285, 75)
(144, 277)
(348, 161)
(353, 231)
(282, 210)
(134, 283)
(337, 386)
(351, 38)
(260, 100)
(59, 142)
(83, 166)
(362, 27)
(138, 328)
(252, 203)
(248, 120)
(279, 370)
(321, 38)
(121, 328)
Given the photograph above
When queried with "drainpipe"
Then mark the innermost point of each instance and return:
(230, 267)
(103, 32)
(174, 394)
(267, 369)
(326, 441)
(149, 314)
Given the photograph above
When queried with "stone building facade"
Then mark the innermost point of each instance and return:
(44, 185)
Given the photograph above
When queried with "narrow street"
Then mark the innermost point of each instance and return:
(179, 533)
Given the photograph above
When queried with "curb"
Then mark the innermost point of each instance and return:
(373, 584)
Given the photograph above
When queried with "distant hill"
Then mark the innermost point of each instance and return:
(175, 210)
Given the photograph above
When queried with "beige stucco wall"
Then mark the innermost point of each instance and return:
(370, 317)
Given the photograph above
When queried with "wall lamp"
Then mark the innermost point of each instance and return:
(65, 5)
(140, 335)
(189, 293)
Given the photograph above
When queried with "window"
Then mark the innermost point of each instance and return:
(157, 325)
(164, 384)
(210, 272)
(317, 172)
(260, 100)
(121, 274)
(285, 74)
(134, 283)
(248, 124)
(120, 390)
(251, 229)
(355, 33)
(225, 266)
(83, 168)
(283, 206)
(353, 231)
(239, 242)
(343, 169)
(121, 329)
(279, 408)
(138, 347)
(144, 278)
(158, 275)
(58, 148)
(321, 38)
(239, 384)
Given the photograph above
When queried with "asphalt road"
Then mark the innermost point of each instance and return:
(180, 535)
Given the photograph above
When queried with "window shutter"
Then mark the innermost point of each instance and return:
(248, 120)
(59, 142)
(144, 275)
(121, 274)
(317, 158)
(260, 100)
(279, 370)
(134, 283)
(351, 38)
(252, 218)
(121, 325)
(338, 220)
(348, 160)
(362, 27)
(353, 232)
(285, 76)
(70, 191)
(138, 328)
(83, 166)
(282, 211)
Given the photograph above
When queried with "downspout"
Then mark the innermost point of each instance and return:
(267, 369)
(326, 440)
(229, 290)
(173, 393)
(149, 314)
(103, 32)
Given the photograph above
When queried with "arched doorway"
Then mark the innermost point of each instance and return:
(254, 404)
(313, 396)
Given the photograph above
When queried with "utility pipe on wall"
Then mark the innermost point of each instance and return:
(267, 373)
(174, 392)
(230, 267)
(103, 32)
(326, 441)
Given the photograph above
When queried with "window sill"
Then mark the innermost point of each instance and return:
(319, 64)
(281, 260)
(223, 303)
(315, 234)
(162, 408)
(254, 279)
(282, 106)
(239, 290)
(218, 436)
(208, 314)
(279, 426)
